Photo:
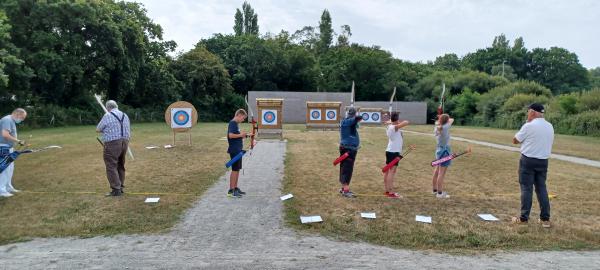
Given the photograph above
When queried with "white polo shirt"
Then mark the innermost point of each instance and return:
(536, 138)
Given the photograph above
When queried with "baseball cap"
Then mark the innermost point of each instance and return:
(537, 107)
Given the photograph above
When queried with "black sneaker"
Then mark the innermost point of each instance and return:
(240, 191)
(233, 193)
(114, 193)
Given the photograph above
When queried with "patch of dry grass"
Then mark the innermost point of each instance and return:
(579, 146)
(484, 182)
(79, 167)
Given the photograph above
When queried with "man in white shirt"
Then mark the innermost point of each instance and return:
(536, 138)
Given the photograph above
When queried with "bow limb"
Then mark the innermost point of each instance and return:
(392, 102)
(253, 123)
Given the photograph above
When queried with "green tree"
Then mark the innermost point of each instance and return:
(448, 61)
(245, 20)
(344, 36)
(238, 26)
(325, 32)
(557, 69)
(206, 83)
(75, 48)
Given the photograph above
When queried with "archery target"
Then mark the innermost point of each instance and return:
(269, 117)
(366, 117)
(331, 114)
(371, 117)
(315, 114)
(375, 117)
(181, 117)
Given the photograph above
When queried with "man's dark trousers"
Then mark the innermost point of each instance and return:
(532, 172)
(114, 158)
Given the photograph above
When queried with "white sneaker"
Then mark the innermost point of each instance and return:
(444, 195)
(5, 194)
(13, 190)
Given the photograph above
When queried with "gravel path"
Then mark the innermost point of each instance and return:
(248, 233)
(577, 160)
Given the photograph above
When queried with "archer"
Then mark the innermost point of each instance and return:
(235, 139)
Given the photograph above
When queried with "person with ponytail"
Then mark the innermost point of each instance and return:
(442, 135)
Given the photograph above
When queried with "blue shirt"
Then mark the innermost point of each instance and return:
(349, 132)
(443, 137)
(110, 126)
(8, 123)
(235, 144)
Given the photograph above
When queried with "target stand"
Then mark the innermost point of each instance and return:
(181, 117)
(371, 116)
(323, 115)
(270, 117)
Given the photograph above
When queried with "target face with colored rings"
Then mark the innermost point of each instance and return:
(331, 115)
(375, 117)
(316, 114)
(365, 116)
(181, 118)
(269, 117)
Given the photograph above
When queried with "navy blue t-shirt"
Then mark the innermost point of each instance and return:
(235, 145)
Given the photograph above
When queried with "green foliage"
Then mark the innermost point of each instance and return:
(55, 54)
(519, 102)
(557, 69)
(594, 75)
(586, 123)
(449, 61)
(246, 21)
(206, 83)
(566, 104)
(463, 106)
(590, 100)
(325, 32)
(269, 64)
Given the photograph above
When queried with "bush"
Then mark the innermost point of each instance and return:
(590, 100)
(520, 102)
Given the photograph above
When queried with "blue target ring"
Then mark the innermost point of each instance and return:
(375, 117)
(331, 115)
(181, 118)
(365, 116)
(269, 117)
(316, 114)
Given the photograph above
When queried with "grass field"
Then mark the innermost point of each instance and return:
(579, 146)
(484, 182)
(79, 167)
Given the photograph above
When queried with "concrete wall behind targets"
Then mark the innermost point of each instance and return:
(294, 105)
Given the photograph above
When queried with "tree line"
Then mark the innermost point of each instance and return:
(55, 54)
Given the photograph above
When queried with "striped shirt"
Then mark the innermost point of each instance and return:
(110, 126)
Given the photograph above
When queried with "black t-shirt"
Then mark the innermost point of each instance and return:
(235, 145)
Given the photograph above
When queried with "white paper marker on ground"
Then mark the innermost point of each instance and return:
(152, 147)
(424, 219)
(168, 146)
(310, 219)
(286, 197)
(488, 217)
(367, 215)
(152, 200)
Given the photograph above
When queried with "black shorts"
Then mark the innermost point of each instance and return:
(237, 166)
(390, 156)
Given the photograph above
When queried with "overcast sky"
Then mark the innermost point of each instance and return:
(410, 30)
